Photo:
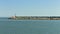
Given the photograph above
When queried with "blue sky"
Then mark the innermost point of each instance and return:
(29, 8)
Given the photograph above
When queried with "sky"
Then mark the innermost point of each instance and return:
(29, 8)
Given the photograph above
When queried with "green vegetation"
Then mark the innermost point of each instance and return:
(37, 18)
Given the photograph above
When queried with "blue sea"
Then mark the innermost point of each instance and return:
(10, 26)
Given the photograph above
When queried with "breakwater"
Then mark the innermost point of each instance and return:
(36, 17)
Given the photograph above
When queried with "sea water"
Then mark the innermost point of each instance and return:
(9, 26)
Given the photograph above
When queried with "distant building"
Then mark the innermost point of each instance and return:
(14, 17)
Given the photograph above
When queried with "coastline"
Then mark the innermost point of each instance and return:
(35, 18)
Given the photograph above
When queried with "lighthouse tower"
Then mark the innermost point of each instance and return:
(14, 17)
